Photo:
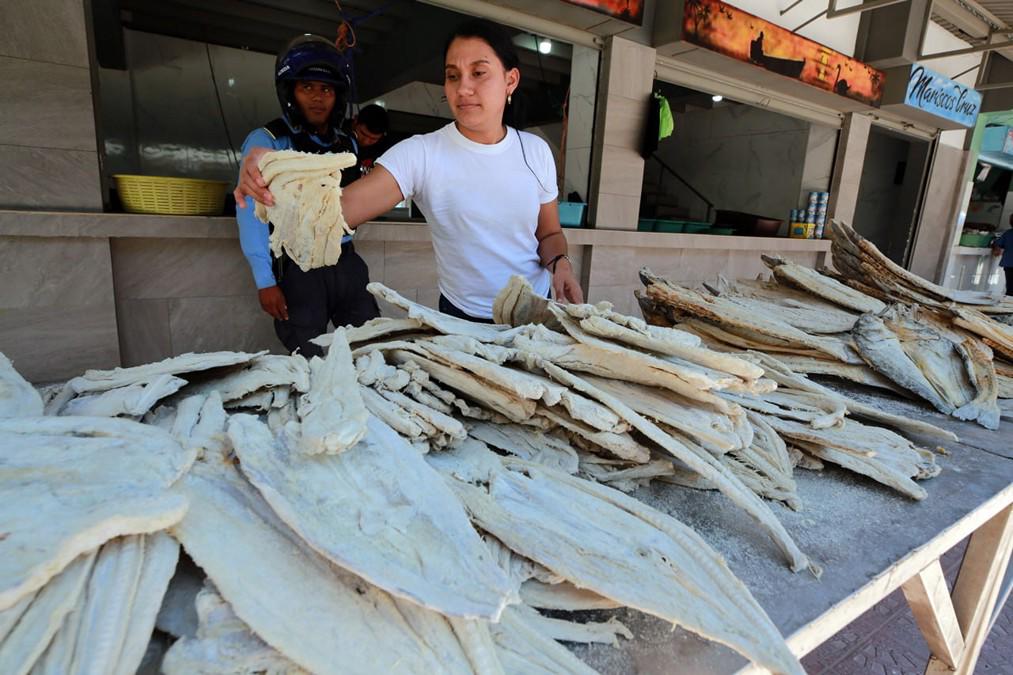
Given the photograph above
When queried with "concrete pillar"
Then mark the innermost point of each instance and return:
(617, 173)
(848, 168)
(937, 228)
(49, 154)
(580, 121)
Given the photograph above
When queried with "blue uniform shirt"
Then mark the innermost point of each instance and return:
(1005, 242)
(253, 232)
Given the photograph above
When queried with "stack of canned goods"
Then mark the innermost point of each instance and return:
(816, 212)
(808, 223)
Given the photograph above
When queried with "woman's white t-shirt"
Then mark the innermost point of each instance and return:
(482, 203)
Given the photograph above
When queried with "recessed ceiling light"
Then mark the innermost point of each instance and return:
(544, 46)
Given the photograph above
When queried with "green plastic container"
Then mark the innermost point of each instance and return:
(668, 226)
(696, 228)
(721, 230)
(646, 224)
(975, 240)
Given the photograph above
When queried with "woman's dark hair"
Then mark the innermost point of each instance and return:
(499, 39)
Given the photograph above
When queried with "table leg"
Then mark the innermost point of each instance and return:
(973, 600)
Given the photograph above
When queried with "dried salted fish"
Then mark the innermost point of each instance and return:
(17, 397)
(306, 213)
(332, 415)
(224, 645)
(811, 281)
(884, 351)
(528, 444)
(39, 621)
(66, 501)
(722, 312)
(701, 463)
(104, 380)
(524, 650)
(379, 511)
(324, 619)
(674, 575)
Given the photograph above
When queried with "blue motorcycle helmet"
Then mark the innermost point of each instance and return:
(310, 57)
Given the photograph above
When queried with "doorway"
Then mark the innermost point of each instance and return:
(891, 190)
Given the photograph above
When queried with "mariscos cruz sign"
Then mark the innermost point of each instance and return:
(935, 93)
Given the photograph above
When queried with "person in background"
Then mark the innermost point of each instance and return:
(1002, 245)
(311, 86)
(368, 128)
(488, 191)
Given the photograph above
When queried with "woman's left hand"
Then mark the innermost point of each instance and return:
(565, 287)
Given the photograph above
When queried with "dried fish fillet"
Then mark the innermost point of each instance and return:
(821, 285)
(17, 397)
(332, 414)
(381, 512)
(674, 574)
(42, 618)
(306, 214)
(324, 619)
(61, 500)
(224, 645)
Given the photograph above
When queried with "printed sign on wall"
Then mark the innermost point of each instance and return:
(627, 10)
(720, 27)
(935, 93)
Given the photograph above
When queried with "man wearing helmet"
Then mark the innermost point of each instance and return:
(311, 84)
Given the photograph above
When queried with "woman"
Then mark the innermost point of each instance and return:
(487, 190)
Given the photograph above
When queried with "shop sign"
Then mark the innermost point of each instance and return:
(939, 95)
(631, 11)
(720, 27)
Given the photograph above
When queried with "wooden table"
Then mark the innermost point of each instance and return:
(870, 541)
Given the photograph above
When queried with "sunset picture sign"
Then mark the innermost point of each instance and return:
(728, 30)
(627, 10)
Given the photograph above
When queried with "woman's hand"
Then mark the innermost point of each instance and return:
(565, 287)
(251, 183)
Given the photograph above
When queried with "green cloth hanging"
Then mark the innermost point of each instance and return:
(666, 123)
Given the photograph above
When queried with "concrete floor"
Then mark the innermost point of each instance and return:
(886, 641)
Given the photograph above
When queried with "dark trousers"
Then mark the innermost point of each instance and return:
(1009, 279)
(336, 293)
(447, 307)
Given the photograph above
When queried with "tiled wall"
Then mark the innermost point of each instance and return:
(48, 155)
(57, 316)
(617, 170)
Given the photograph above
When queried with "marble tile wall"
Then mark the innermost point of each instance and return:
(180, 295)
(48, 154)
(819, 160)
(57, 315)
(617, 171)
(580, 120)
(847, 177)
(939, 212)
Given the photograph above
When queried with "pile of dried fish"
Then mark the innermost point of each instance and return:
(438, 526)
(871, 322)
(411, 500)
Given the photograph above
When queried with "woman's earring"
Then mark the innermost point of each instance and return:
(509, 99)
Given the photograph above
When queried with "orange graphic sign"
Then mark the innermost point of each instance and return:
(627, 10)
(728, 30)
